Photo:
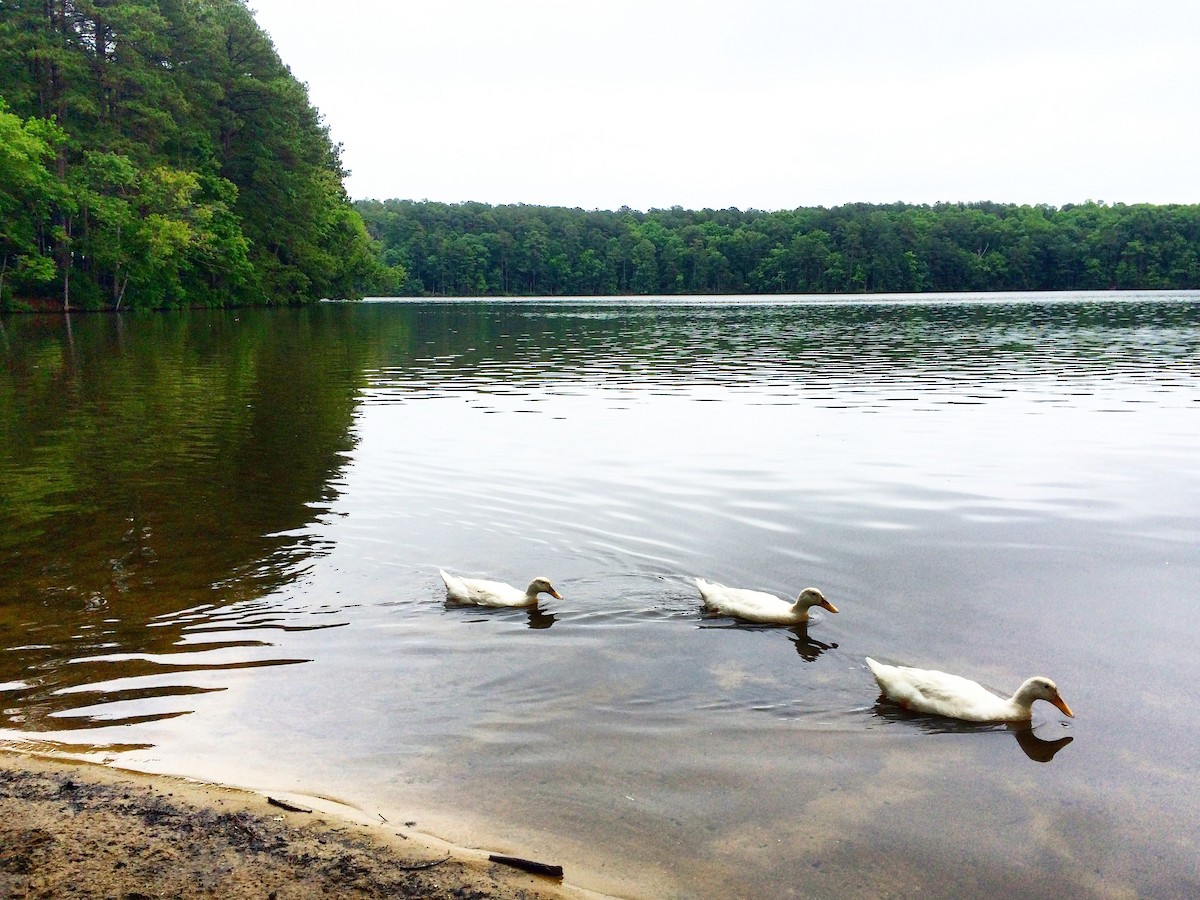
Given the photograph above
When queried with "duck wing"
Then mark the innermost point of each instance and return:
(938, 693)
(753, 606)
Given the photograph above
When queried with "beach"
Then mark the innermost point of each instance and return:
(82, 830)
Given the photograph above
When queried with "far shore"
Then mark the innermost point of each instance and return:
(90, 831)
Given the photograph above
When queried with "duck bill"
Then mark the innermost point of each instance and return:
(825, 604)
(555, 594)
(1062, 704)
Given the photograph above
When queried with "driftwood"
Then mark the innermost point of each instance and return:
(282, 804)
(528, 865)
(428, 865)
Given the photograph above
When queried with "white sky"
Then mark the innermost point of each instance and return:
(766, 104)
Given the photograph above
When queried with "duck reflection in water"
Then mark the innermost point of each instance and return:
(1036, 748)
(808, 647)
(534, 616)
(538, 618)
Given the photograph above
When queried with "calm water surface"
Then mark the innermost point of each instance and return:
(220, 535)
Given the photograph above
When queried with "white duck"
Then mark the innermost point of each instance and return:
(940, 694)
(757, 606)
(478, 592)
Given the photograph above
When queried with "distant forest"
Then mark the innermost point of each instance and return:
(473, 249)
(158, 153)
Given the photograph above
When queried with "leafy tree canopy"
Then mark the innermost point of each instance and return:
(158, 153)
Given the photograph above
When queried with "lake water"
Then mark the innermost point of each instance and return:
(220, 535)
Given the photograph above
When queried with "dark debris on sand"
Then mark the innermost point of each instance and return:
(64, 833)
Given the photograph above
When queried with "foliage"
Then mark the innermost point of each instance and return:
(28, 192)
(158, 153)
(473, 248)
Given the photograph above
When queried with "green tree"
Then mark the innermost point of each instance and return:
(189, 166)
(29, 193)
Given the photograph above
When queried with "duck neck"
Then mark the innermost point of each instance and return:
(1022, 701)
(800, 609)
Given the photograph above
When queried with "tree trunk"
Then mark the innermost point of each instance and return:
(121, 296)
(64, 260)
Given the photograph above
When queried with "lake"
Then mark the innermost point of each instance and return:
(220, 535)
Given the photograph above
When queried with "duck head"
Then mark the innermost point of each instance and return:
(1039, 688)
(810, 597)
(542, 586)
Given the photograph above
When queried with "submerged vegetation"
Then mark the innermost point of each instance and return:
(476, 249)
(158, 153)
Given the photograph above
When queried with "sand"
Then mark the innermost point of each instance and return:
(81, 830)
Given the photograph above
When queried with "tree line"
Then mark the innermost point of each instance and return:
(477, 249)
(158, 153)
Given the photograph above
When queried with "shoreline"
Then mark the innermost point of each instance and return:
(88, 830)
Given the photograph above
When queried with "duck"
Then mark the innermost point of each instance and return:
(760, 607)
(955, 697)
(479, 592)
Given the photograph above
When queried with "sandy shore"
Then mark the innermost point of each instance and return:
(79, 830)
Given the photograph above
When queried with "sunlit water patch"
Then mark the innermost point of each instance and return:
(221, 535)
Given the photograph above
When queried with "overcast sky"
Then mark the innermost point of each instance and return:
(766, 104)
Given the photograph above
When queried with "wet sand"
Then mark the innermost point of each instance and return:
(81, 830)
